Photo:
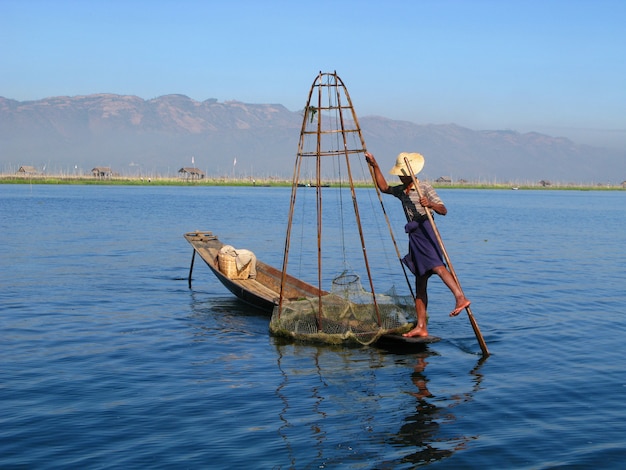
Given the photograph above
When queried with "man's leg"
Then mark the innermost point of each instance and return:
(461, 301)
(421, 304)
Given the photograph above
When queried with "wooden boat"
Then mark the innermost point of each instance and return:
(262, 292)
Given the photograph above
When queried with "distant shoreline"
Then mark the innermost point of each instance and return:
(126, 181)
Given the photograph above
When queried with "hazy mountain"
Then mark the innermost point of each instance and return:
(158, 136)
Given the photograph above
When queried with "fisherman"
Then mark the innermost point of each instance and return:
(424, 256)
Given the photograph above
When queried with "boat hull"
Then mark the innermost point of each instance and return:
(262, 292)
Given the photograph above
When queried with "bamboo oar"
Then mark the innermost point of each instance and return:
(479, 336)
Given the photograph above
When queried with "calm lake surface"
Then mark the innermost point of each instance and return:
(109, 360)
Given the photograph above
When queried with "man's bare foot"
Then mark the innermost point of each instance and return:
(461, 304)
(417, 331)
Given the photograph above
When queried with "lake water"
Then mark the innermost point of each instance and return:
(109, 360)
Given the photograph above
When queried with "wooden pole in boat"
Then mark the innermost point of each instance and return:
(479, 336)
(193, 257)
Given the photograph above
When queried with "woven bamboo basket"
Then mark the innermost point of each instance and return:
(228, 266)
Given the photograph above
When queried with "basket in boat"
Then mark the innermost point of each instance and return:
(228, 265)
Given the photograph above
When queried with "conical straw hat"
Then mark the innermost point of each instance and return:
(416, 160)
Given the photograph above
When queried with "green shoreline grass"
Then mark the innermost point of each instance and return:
(124, 181)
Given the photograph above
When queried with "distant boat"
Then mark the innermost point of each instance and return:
(514, 188)
(309, 185)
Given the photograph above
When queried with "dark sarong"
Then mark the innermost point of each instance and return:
(424, 253)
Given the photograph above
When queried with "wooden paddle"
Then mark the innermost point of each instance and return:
(479, 336)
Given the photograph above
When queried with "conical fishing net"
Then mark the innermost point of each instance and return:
(332, 228)
(349, 314)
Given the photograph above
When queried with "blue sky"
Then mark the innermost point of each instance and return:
(552, 66)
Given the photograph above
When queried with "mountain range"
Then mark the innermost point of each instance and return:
(159, 136)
